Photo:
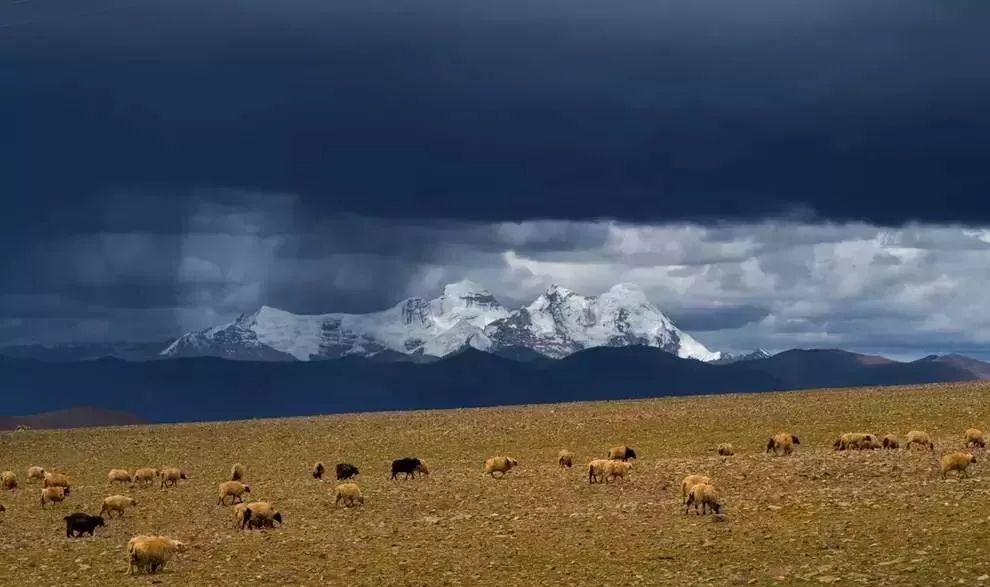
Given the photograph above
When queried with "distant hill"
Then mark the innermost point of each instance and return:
(809, 369)
(218, 389)
(76, 417)
(83, 351)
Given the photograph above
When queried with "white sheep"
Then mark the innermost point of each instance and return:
(232, 489)
(55, 480)
(725, 449)
(920, 438)
(349, 493)
(975, 438)
(36, 473)
(150, 553)
(53, 495)
(705, 495)
(782, 442)
(501, 465)
(171, 477)
(617, 470)
(689, 482)
(237, 472)
(8, 480)
(261, 514)
(117, 503)
(956, 461)
(118, 476)
(145, 476)
(854, 441)
(565, 459)
(596, 470)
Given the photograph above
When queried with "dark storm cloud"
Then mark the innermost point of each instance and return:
(641, 110)
(720, 318)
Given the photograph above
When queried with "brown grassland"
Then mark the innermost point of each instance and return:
(816, 517)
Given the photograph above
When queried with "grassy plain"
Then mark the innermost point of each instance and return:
(816, 517)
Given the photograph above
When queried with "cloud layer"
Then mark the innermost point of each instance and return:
(904, 291)
(642, 110)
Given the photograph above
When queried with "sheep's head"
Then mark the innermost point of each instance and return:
(179, 546)
(513, 462)
(770, 445)
(99, 521)
(278, 518)
(421, 467)
(972, 458)
(797, 440)
(132, 501)
(247, 489)
(630, 453)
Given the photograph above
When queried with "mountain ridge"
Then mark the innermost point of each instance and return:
(558, 323)
(209, 388)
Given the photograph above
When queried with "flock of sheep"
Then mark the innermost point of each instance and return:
(149, 554)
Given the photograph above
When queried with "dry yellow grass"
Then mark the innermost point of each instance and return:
(816, 517)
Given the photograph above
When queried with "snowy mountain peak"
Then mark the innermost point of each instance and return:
(556, 291)
(558, 323)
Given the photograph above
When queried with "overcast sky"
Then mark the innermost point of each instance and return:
(773, 173)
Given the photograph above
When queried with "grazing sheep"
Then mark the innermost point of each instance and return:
(410, 466)
(318, 470)
(117, 503)
(920, 438)
(2, 509)
(232, 489)
(8, 480)
(345, 471)
(146, 476)
(621, 453)
(150, 553)
(118, 476)
(237, 472)
(349, 493)
(55, 480)
(36, 472)
(956, 461)
(890, 442)
(565, 459)
(975, 438)
(596, 470)
(617, 470)
(79, 523)
(725, 449)
(53, 495)
(854, 441)
(261, 514)
(782, 442)
(689, 482)
(705, 495)
(500, 465)
(171, 476)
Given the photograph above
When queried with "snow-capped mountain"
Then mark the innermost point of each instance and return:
(434, 327)
(558, 323)
(561, 322)
(757, 355)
